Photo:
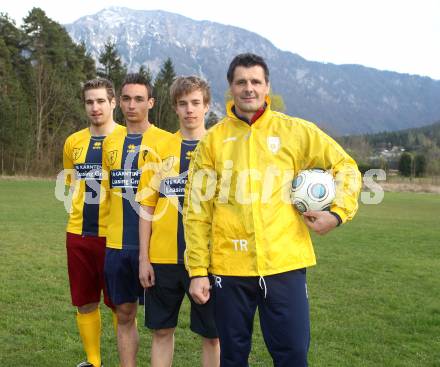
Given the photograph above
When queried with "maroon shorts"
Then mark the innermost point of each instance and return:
(85, 263)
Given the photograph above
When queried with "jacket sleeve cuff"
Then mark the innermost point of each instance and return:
(337, 217)
(197, 272)
(338, 212)
(199, 276)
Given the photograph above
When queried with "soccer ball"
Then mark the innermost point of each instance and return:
(313, 189)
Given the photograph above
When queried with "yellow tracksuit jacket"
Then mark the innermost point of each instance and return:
(238, 217)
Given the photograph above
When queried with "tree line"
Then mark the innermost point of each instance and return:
(413, 152)
(41, 72)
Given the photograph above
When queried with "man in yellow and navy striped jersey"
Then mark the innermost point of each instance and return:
(86, 228)
(124, 153)
(162, 244)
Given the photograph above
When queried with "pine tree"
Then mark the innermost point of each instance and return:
(146, 73)
(111, 65)
(89, 67)
(13, 39)
(405, 164)
(163, 114)
(113, 69)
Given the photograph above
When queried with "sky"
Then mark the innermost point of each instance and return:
(395, 35)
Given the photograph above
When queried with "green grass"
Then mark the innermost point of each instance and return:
(374, 296)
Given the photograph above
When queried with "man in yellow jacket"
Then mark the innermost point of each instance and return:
(240, 225)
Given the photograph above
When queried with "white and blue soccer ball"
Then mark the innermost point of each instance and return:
(313, 189)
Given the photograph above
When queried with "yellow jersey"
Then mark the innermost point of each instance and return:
(82, 161)
(123, 156)
(162, 186)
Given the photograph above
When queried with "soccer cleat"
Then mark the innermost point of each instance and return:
(86, 364)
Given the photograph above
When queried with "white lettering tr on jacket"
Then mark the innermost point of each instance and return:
(238, 216)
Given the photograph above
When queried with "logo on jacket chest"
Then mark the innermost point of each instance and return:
(273, 144)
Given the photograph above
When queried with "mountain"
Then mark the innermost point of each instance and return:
(341, 99)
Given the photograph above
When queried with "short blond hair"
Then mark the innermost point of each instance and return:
(184, 85)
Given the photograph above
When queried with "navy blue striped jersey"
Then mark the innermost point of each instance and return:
(82, 161)
(123, 156)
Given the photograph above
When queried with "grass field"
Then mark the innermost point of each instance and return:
(374, 296)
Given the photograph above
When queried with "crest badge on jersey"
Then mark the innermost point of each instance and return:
(112, 156)
(274, 143)
(76, 153)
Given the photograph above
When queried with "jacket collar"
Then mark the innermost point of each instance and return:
(261, 120)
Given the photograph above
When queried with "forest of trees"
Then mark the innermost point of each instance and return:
(41, 71)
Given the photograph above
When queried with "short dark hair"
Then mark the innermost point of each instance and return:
(247, 60)
(184, 85)
(99, 83)
(136, 78)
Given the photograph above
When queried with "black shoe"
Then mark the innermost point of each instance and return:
(86, 364)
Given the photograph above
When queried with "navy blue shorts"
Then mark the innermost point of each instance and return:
(121, 270)
(284, 317)
(163, 301)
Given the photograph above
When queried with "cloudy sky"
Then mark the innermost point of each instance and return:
(396, 35)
